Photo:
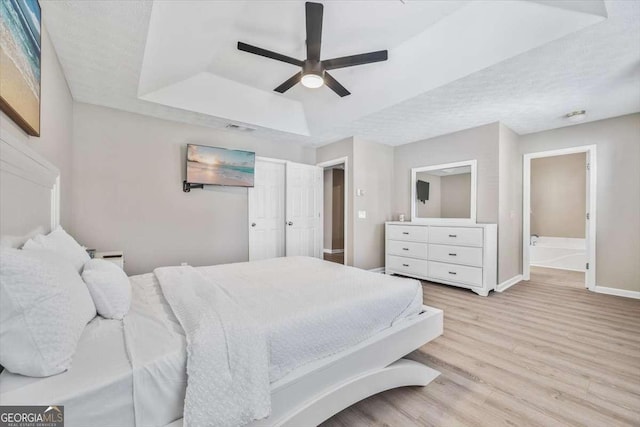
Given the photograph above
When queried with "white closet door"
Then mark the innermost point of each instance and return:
(266, 211)
(303, 212)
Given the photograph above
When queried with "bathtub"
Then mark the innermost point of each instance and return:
(558, 252)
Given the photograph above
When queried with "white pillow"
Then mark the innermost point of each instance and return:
(109, 287)
(61, 243)
(44, 306)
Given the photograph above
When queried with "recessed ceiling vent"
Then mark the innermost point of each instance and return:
(239, 128)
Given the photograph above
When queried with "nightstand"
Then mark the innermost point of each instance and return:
(116, 257)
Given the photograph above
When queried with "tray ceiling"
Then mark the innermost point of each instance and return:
(452, 64)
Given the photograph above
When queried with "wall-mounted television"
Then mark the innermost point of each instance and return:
(422, 190)
(220, 166)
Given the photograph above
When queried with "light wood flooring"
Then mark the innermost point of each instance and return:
(338, 258)
(539, 354)
(553, 276)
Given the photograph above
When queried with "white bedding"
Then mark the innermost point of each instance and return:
(310, 309)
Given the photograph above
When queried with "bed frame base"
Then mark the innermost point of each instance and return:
(318, 390)
(402, 373)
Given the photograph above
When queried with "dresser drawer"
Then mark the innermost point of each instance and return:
(407, 233)
(456, 236)
(456, 254)
(456, 273)
(408, 249)
(409, 266)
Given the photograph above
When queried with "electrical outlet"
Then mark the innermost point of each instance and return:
(362, 214)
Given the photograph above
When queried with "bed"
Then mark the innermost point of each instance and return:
(335, 335)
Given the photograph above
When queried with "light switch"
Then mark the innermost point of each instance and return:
(362, 214)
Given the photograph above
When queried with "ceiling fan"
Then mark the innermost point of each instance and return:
(314, 71)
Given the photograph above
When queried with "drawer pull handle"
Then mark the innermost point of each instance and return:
(405, 232)
(453, 254)
(405, 265)
(453, 235)
(453, 272)
(405, 249)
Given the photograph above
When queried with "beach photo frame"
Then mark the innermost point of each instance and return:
(20, 62)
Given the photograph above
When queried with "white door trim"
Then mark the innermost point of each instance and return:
(590, 276)
(335, 162)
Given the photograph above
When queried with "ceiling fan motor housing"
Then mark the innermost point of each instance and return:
(312, 67)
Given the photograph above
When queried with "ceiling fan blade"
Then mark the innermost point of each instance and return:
(350, 61)
(314, 29)
(268, 54)
(291, 82)
(335, 86)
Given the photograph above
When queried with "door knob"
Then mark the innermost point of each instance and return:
(253, 224)
(290, 223)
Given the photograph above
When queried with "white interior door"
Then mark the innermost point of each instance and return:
(266, 211)
(304, 210)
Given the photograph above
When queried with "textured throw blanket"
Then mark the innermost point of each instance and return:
(227, 357)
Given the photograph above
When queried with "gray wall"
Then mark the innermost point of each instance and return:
(509, 206)
(558, 195)
(56, 120)
(335, 150)
(618, 192)
(479, 143)
(128, 172)
(373, 173)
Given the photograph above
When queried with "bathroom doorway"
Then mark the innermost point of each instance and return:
(559, 217)
(334, 211)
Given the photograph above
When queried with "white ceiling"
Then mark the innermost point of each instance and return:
(453, 65)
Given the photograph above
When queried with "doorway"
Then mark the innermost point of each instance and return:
(559, 217)
(334, 210)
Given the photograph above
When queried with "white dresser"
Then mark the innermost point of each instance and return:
(465, 256)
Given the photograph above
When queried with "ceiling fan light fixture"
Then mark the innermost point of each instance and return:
(312, 81)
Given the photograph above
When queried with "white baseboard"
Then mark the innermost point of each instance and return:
(509, 283)
(617, 292)
(378, 270)
(333, 251)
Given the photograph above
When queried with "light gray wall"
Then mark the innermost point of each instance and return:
(618, 192)
(431, 208)
(558, 195)
(455, 199)
(128, 172)
(479, 143)
(509, 205)
(335, 150)
(56, 120)
(328, 209)
(373, 173)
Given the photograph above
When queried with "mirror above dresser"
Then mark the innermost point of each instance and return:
(444, 194)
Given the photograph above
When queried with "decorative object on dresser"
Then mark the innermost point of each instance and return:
(464, 256)
(116, 257)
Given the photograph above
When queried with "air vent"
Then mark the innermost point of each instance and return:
(239, 128)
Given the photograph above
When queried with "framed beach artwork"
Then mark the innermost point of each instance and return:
(20, 63)
(219, 166)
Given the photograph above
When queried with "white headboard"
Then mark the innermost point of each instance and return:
(29, 192)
